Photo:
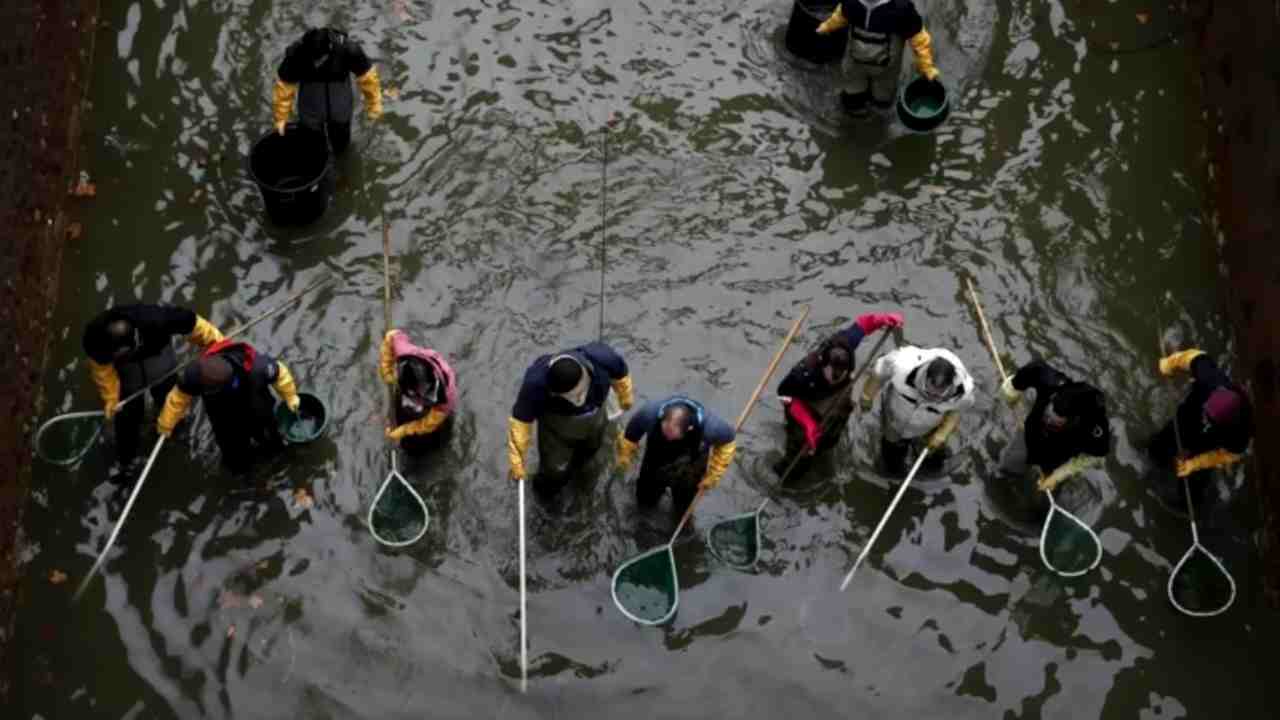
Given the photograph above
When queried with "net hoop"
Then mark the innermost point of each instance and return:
(1044, 532)
(675, 586)
(67, 462)
(426, 512)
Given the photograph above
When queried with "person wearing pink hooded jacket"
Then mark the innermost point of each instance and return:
(426, 391)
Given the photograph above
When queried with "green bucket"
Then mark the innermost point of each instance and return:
(923, 104)
(307, 424)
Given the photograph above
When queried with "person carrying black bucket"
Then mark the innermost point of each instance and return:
(565, 394)
(816, 393)
(878, 29)
(926, 391)
(426, 392)
(691, 450)
(130, 346)
(233, 380)
(1066, 432)
(1213, 426)
(315, 70)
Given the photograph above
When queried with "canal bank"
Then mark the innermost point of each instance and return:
(45, 51)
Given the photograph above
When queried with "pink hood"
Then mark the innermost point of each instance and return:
(401, 347)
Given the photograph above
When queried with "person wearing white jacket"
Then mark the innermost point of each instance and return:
(925, 390)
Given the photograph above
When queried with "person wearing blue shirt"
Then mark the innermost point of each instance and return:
(688, 449)
(565, 394)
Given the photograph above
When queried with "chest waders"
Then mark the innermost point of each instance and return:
(135, 375)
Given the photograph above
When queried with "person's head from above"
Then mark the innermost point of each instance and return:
(1224, 408)
(836, 364)
(419, 386)
(122, 338)
(938, 380)
(215, 374)
(567, 379)
(678, 420)
(318, 43)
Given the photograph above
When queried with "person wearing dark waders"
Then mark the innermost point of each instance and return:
(565, 395)
(691, 450)
(925, 390)
(878, 30)
(317, 70)
(426, 392)
(233, 380)
(1066, 432)
(1214, 423)
(129, 347)
(817, 393)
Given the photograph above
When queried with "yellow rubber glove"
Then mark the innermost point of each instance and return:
(835, 22)
(285, 386)
(939, 436)
(870, 388)
(518, 435)
(283, 95)
(204, 333)
(1178, 361)
(421, 426)
(371, 88)
(387, 359)
(622, 388)
(1074, 466)
(176, 404)
(717, 465)
(1011, 394)
(626, 452)
(1205, 461)
(922, 47)
(108, 382)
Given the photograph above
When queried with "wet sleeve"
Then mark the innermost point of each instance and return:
(291, 69)
(532, 396)
(911, 24)
(852, 335)
(642, 421)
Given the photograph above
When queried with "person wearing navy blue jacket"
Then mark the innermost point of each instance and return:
(816, 392)
(687, 448)
(565, 394)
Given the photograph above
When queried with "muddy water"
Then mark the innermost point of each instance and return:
(1063, 185)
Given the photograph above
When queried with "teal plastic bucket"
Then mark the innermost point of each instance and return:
(307, 424)
(923, 104)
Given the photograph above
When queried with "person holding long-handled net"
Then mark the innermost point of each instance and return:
(817, 394)
(687, 449)
(130, 347)
(425, 392)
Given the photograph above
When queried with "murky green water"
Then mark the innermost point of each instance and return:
(1063, 184)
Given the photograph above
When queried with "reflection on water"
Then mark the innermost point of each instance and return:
(736, 192)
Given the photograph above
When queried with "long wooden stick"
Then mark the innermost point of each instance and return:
(986, 330)
(137, 489)
(746, 411)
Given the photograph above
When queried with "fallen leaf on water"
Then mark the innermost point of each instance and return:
(391, 92)
(231, 631)
(228, 600)
(57, 577)
(74, 230)
(263, 565)
(1142, 17)
(255, 601)
(84, 189)
(303, 498)
(401, 9)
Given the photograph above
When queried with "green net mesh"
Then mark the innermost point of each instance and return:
(645, 588)
(736, 541)
(1200, 585)
(64, 441)
(1068, 546)
(398, 514)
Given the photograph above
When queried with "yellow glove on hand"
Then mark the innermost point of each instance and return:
(622, 388)
(870, 388)
(718, 465)
(626, 452)
(1010, 393)
(1206, 461)
(835, 22)
(518, 435)
(1178, 361)
(939, 436)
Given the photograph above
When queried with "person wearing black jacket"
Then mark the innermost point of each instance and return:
(816, 393)
(129, 347)
(1066, 432)
(1213, 424)
(317, 71)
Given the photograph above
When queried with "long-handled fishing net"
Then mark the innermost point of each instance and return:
(736, 540)
(884, 518)
(65, 439)
(1068, 546)
(646, 588)
(1199, 585)
(398, 515)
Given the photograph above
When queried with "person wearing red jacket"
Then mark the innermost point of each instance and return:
(816, 393)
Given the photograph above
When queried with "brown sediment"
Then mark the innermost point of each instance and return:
(46, 50)
(1239, 81)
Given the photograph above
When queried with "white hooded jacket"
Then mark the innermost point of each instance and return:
(908, 413)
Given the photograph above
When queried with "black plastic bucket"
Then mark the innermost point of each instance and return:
(923, 104)
(803, 39)
(292, 172)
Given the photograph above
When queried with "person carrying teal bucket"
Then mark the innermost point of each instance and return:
(130, 346)
(234, 381)
(878, 29)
